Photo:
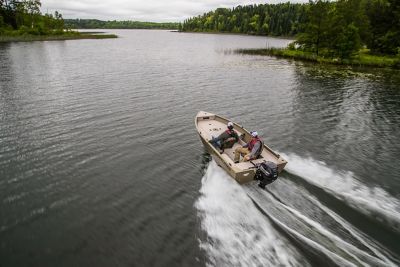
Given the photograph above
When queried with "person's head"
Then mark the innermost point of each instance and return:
(254, 134)
(230, 125)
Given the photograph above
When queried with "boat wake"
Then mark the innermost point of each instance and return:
(237, 233)
(374, 202)
(247, 226)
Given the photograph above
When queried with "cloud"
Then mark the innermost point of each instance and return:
(150, 10)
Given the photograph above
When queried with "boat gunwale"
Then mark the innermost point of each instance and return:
(278, 156)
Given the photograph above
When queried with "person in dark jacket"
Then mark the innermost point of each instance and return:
(251, 150)
(226, 139)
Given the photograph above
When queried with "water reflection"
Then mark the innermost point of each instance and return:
(355, 122)
(105, 138)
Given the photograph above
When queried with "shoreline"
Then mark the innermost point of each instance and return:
(242, 34)
(62, 37)
(361, 60)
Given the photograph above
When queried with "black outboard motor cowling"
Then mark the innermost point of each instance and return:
(266, 173)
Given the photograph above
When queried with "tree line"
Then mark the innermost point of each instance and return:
(264, 19)
(343, 27)
(100, 24)
(327, 28)
(24, 17)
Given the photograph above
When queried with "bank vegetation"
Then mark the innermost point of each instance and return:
(115, 24)
(357, 32)
(23, 21)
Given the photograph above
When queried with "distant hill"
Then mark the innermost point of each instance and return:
(114, 24)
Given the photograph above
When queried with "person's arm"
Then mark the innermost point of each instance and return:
(229, 139)
(236, 137)
(233, 137)
(255, 149)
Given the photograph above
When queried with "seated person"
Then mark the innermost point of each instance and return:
(226, 139)
(251, 150)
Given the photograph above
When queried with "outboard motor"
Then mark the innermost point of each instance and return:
(266, 173)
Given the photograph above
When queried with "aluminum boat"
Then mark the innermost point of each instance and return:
(209, 125)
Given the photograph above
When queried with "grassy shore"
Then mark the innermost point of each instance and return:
(56, 37)
(362, 59)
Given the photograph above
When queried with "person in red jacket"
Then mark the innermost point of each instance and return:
(251, 150)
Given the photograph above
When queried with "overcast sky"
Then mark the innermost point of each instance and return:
(141, 10)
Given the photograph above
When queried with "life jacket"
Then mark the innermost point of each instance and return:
(252, 142)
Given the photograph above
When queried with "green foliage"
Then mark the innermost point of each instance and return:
(24, 18)
(291, 46)
(347, 43)
(317, 26)
(333, 29)
(114, 24)
(384, 19)
(362, 59)
(348, 26)
(277, 20)
(67, 35)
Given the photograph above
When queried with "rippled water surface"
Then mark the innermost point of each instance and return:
(100, 163)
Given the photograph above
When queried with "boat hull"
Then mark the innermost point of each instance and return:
(241, 177)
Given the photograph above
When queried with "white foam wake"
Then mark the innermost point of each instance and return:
(373, 201)
(356, 234)
(237, 233)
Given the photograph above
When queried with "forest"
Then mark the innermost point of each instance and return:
(264, 19)
(114, 24)
(327, 28)
(24, 17)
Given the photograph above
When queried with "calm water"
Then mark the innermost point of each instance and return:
(100, 163)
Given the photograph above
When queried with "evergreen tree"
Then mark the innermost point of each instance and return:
(384, 18)
(279, 19)
(348, 24)
(24, 17)
(317, 28)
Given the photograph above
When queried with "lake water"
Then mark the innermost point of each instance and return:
(101, 165)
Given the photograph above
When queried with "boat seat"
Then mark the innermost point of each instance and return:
(230, 152)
